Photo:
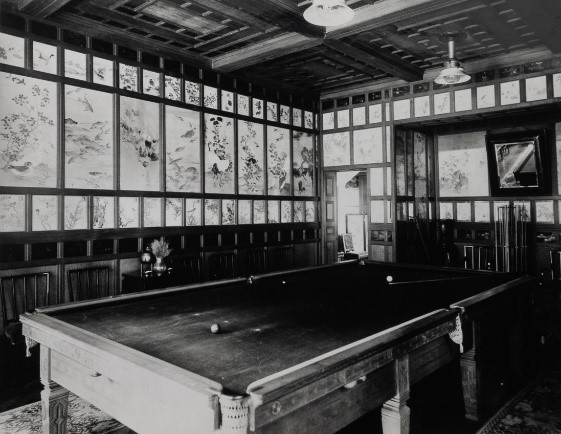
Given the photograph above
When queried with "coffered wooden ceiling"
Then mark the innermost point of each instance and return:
(269, 39)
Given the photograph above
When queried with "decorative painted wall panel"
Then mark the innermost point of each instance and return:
(273, 210)
(172, 88)
(299, 212)
(441, 103)
(28, 132)
(128, 77)
(259, 211)
(88, 133)
(103, 212)
(278, 161)
(102, 71)
(286, 211)
(227, 101)
(536, 88)
(152, 212)
(219, 154)
(140, 145)
(210, 99)
(183, 155)
(272, 108)
(251, 158)
(359, 116)
(375, 113)
(310, 211)
(343, 118)
(11, 50)
(244, 212)
(336, 149)
(44, 213)
(212, 212)
(174, 212)
(462, 100)
(328, 121)
(193, 211)
(243, 105)
(75, 65)
(192, 93)
(75, 212)
(12, 212)
(368, 146)
(303, 163)
(128, 212)
(151, 82)
(45, 57)
(228, 212)
(482, 211)
(257, 108)
(485, 96)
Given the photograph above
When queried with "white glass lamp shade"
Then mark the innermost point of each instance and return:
(328, 13)
(452, 73)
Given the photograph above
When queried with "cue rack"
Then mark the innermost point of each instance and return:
(510, 238)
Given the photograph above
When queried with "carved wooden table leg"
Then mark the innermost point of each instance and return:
(395, 413)
(54, 398)
(471, 384)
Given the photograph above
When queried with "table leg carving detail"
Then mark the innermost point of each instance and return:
(395, 412)
(54, 398)
(471, 385)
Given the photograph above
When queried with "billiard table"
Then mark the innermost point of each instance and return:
(308, 350)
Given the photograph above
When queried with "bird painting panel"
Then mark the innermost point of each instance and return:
(12, 212)
(219, 154)
(44, 215)
(183, 155)
(302, 163)
(278, 161)
(140, 145)
(251, 156)
(151, 82)
(103, 212)
(74, 64)
(88, 138)
(102, 71)
(128, 77)
(11, 50)
(28, 132)
(44, 57)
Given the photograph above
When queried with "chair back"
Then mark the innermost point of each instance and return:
(19, 294)
(281, 258)
(187, 268)
(88, 283)
(253, 261)
(221, 265)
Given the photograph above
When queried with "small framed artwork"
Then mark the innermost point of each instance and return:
(441, 103)
(510, 92)
(536, 88)
(485, 96)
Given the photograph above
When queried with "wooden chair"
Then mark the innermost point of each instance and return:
(221, 265)
(187, 268)
(88, 283)
(253, 261)
(281, 258)
(19, 294)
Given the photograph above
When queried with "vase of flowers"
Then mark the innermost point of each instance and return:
(160, 249)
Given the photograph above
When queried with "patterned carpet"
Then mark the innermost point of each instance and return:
(83, 419)
(535, 410)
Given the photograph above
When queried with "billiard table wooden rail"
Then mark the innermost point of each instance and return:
(323, 394)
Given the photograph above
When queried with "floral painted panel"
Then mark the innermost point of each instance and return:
(28, 132)
(368, 146)
(228, 212)
(74, 64)
(192, 93)
(251, 158)
(299, 212)
(536, 88)
(174, 212)
(375, 113)
(75, 212)
(140, 145)
(482, 212)
(257, 108)
(303, 163)
(219, 154)
(557, 85)
(286, 211)
(88, 134)
(102, 71)
(244, 212)
(272, 109)
(103, 212)
(462, 165)
(310, 211)
(278, 161)
(401, 109)
(328, 121)
(210, 99)
(12, 212)
(284, 114)
(377, 181)
(446, 210)
(343, 118)
(510, 92)
(544, 211)
(44, 213)
(462, 100)
(193, 212)
(463, 211)
(128, 77)
(12, 50)
(128, 212)
(183, 155)
(422, 106)
(308, 120)
(336, 149)
(172, 88)
(151, 82)
(441, 103)
(212, 212)
(296, 117)
(243, 105)
(152, 212)
(273, 208)
(485, 96)
(359, 116)
(377, 211)
(228, 101)
(44, 57)
(259, 211)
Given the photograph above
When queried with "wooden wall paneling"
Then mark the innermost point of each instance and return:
(329, 204)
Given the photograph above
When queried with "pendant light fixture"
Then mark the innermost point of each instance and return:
(328, 13)
(452, 73)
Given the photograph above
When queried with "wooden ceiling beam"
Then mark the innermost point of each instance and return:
(503, 32)
(351, 63)
(380, 60)
(282, 45)
(543, 18)
(169, 12)
(40, 8)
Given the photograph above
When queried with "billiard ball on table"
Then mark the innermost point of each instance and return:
(215, 329)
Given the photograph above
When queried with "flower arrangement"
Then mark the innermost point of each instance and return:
(160, 248)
